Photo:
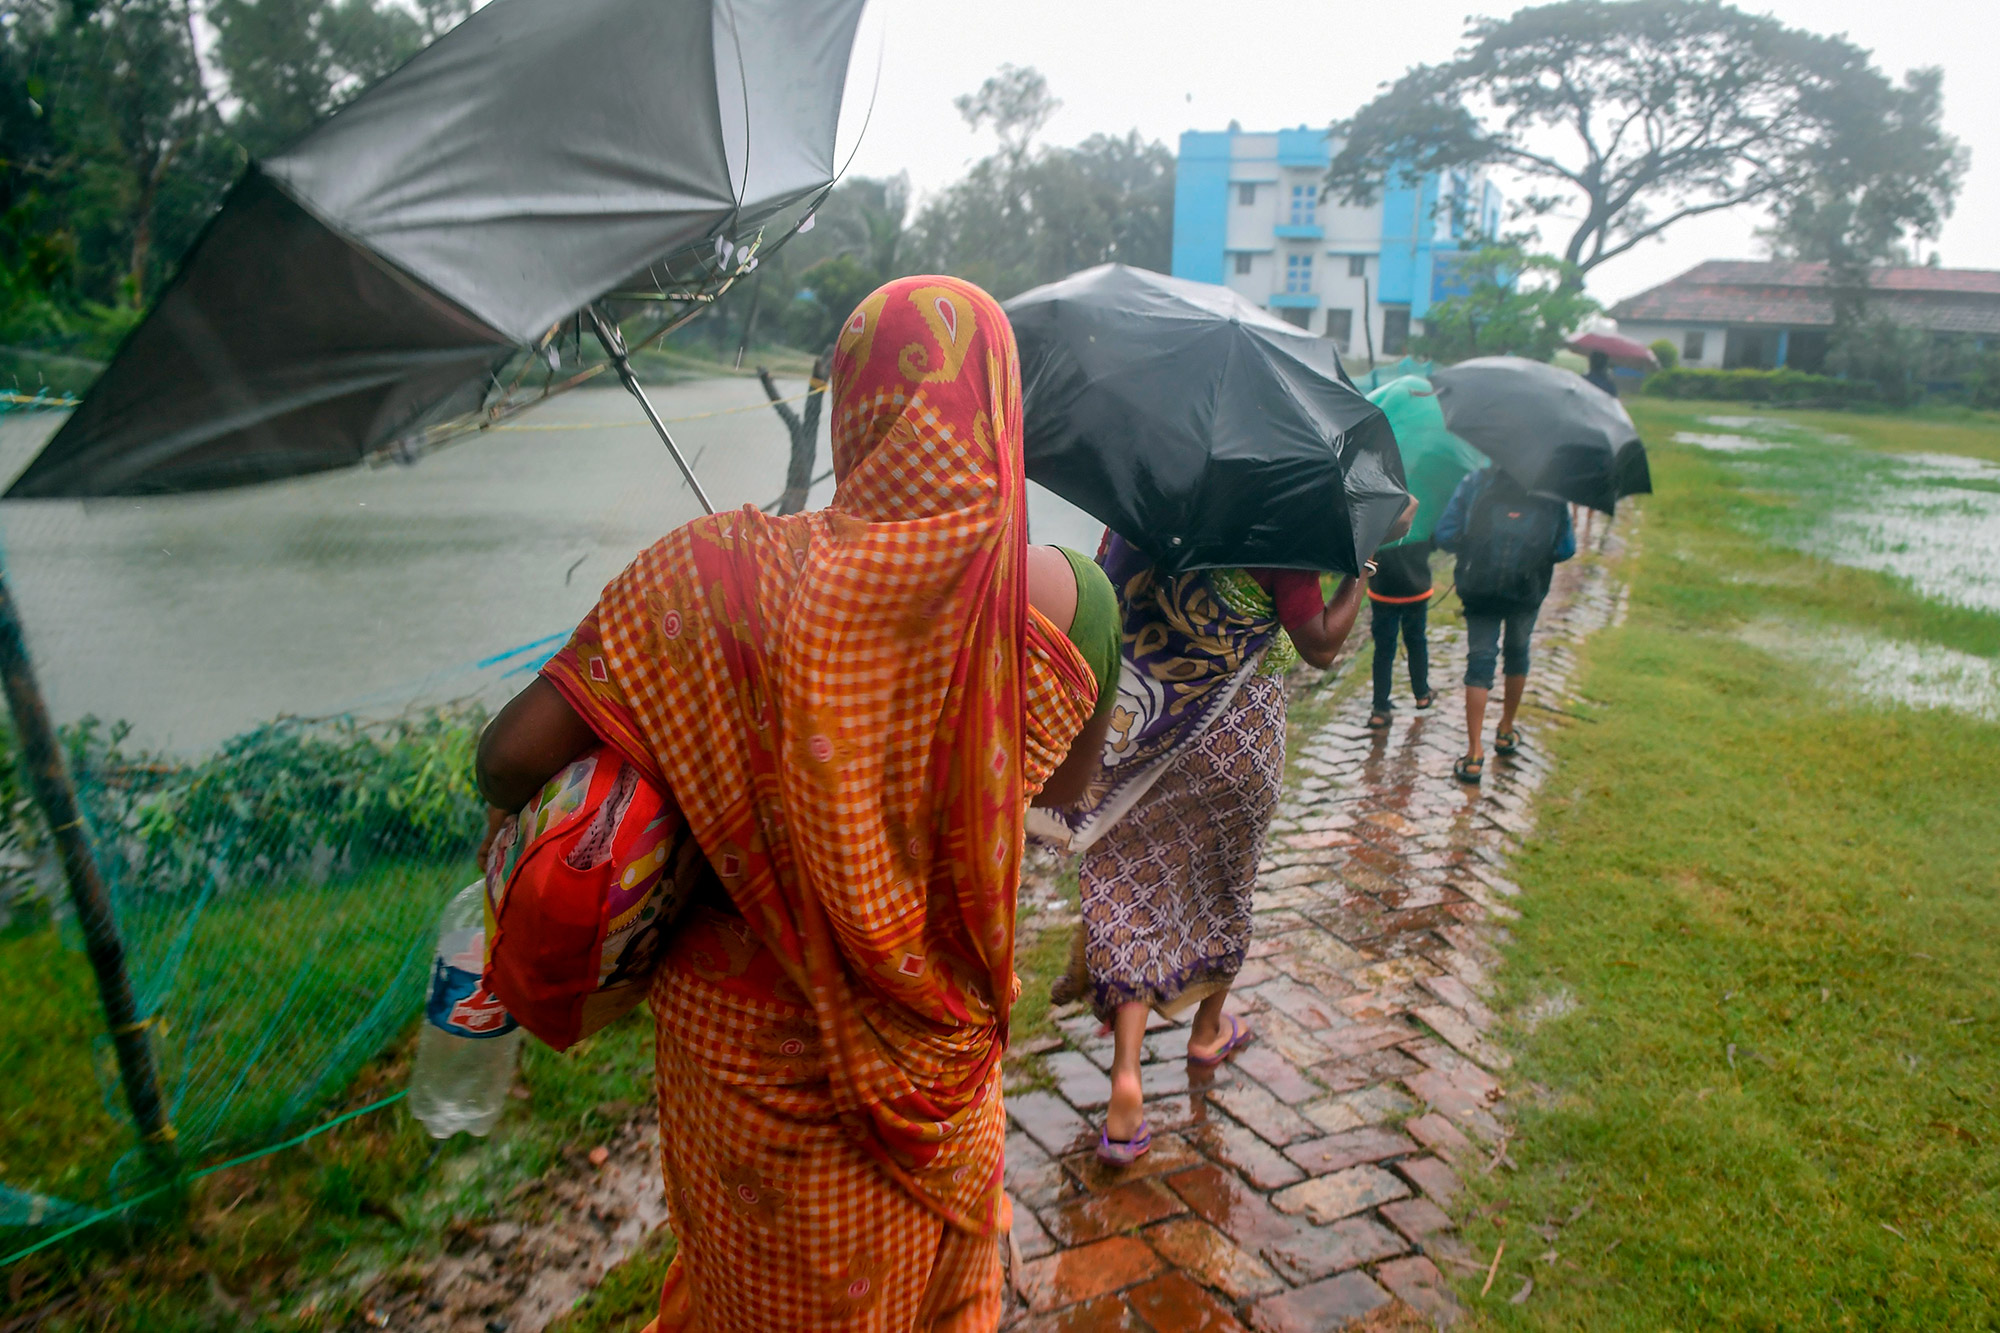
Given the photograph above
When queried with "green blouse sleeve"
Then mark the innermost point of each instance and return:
(1095, 629)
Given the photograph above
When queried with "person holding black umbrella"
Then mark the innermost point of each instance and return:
(1508, 542)
(1167, 889)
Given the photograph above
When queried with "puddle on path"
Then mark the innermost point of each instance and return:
(1885, 670)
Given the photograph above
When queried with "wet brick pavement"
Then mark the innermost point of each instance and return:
(1308, 1184)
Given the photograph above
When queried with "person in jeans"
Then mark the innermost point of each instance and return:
(1399, 597)
(1508, 543)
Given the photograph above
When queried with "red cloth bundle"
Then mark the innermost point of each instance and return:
(581, 888)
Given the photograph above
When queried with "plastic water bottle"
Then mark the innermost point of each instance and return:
(469, 1044)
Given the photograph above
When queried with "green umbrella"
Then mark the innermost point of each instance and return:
(1434, 460)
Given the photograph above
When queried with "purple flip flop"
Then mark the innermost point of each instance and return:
(1124, 1152)
(1240, 1034)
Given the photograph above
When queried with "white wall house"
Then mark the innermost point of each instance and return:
(1734, 314)
(1251, 213)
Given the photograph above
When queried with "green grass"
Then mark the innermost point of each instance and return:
(273, 997)
(311, 1227)
(1777, 914)
(1944, 430)
(315, 1228)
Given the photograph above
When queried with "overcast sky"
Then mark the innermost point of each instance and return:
(1164, 66)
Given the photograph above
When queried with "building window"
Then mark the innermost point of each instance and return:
(1694, 344)
(1357, 266)
(1298, 275)
(1294, 315)
(1340, 327)
(1242, 262)
(1305, 198)
(1395, 330)
(1246, 194)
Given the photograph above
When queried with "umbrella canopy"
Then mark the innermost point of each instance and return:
(1545, 427)
(374, 278)
(1434, 460)
(1198, 427)
(1624, 351)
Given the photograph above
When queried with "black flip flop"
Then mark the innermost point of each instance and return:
(1378, 722)
(1426, 700)
(1469, 770)
(1507, 742)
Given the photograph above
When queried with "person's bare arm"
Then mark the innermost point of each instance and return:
(534, 738)
(1319, 640)
(1401, 528)
(1071, 780)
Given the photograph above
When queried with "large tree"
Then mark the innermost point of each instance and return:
(1884, 177)
(1638, 114)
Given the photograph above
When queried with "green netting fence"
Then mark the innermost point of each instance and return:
(277, 900)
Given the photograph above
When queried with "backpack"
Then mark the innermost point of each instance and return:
(1508, 554)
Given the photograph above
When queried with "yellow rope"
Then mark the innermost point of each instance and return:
(669, 421)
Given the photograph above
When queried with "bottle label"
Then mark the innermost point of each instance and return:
(460, 1005)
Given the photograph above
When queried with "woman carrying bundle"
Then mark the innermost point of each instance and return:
(851, 708)
(1174, 824)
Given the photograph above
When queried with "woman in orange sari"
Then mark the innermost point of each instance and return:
(851, 708)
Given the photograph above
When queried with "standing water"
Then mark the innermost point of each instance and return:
(197, 617)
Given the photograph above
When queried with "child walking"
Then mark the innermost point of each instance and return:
(1399, 596)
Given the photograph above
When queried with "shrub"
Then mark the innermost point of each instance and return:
(288, 798)
(1670, 355)
(1761, 386)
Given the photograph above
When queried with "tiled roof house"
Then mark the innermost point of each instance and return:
(1730, 313)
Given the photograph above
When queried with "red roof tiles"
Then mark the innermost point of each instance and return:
(1776, 293)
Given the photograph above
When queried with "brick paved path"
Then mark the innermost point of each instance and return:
(1308, 1183)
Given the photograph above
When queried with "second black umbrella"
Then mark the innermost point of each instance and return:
(1200, 428)
(1550, 430)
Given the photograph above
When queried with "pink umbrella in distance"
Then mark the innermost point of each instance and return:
(1622, 351)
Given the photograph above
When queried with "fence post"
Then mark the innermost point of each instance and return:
(55, 794)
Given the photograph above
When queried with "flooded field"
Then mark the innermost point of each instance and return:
(1933, 519)
(1880, 669)
(197, 617)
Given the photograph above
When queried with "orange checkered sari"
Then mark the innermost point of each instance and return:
(851, 707)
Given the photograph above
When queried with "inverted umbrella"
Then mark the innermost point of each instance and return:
(1434, 460)
(1624, 351)
(1200, 428)
(460, 240)
(1549, 429)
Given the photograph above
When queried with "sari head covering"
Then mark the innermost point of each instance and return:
(838, 702)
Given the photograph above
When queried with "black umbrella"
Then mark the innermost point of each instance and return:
(1200, 428)
(461, 239)
(1550, 430)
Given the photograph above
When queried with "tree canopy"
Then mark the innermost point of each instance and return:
(1638, 114)
(121, 128)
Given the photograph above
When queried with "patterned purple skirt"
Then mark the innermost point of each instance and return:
(1166, 892)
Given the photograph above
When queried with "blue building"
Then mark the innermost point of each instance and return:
(1250, 213)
